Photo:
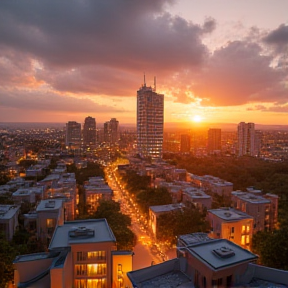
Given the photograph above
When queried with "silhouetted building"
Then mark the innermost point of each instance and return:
(73, 134)
(89, 132)
(214, 141)
(185, 143)
(150, 119)
(111, 131)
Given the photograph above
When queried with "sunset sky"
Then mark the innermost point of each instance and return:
(224, 61)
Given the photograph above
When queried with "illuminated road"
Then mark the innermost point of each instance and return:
(147, 251)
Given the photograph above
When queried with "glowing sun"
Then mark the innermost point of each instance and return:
(197, 118)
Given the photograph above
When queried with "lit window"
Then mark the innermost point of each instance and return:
(243, 240)
(243, 229)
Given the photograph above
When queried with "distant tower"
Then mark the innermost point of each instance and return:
(111, 131)
(246, 139)
(185, 143)
(214, 141)
(89, 132)
(73, 135)
(150, 121)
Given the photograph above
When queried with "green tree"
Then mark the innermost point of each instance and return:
(118, 222)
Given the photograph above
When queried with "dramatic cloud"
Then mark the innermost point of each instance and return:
(278, 38)
(238, 74)
(30, 100)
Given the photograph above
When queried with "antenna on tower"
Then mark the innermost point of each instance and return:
(144, 80)
(155, 83)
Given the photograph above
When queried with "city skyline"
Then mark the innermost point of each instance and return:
(220, 62)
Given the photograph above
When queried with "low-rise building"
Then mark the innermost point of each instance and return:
(82, 254)
(263, 208)
(231, 224)
(212, 184)
(24, 195)
(95, 190)
(204, 262)
(50, 214)
(197, 197)
(156, 211)
(9, 220)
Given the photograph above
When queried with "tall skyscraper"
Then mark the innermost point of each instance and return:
(150, 120)
(89, 132)
(73, 135)
(246, 139)
(185, 143)
(214, 140)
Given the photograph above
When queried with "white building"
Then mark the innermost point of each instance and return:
(246, 139)
(9, 220)
(150, 119)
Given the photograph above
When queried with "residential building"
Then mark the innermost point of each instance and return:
(9, 220)
(73, 135)
(114, 128)
(231, 224)
(50, 214)
(25, 195)
(89, 132)
(263, 208)
(212, 184)
(185, 143)
(156, 211)
(204, 262)
(196, 197)
(246, 139)
(95, 190)
(150, 119)
(214, 141)
(82, 254)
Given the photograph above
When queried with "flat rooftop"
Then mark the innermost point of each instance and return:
(171, 279)
(195, 238)
(230, 214)
(220, 253)
(166, 208)
(8, 211)
(82, 231)
(49, 205)
(250, 197)
(196, 193)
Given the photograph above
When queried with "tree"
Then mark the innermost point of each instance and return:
(118, 222)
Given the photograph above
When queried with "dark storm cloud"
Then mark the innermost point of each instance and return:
(110, 32)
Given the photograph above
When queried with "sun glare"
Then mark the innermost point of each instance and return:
(197, 118)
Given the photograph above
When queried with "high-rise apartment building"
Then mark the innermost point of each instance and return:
(185, 143)
(214, 140)
(114, 128)
(150, 120)
(89, 132)
(111, 131)
(73, 135)
(246, 139)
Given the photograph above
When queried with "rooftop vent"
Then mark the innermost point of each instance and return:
(224, 252)
(81, 232)
(50, 204)
(227, 214)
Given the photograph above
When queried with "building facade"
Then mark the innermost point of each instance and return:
(89, 132)
(73, 135)
(214, 141)
(150, 120)
(185, 143)
(246, 139)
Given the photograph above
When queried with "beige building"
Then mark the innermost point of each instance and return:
(212, 184)
(95, 190)
(82, 254)
(204, 263)
(231, 224)
(196, 197)
(263, 208)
